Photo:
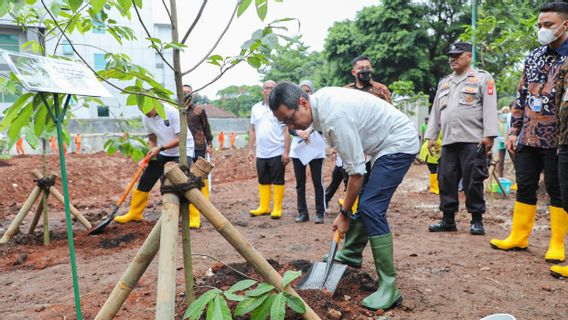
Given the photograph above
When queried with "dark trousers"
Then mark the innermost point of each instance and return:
(154, 171)
(300, 173)
(458, 161)
(529, 163)
(199, 153)
(387, 173)
(337, 176)
(563, 174)
(270, 170)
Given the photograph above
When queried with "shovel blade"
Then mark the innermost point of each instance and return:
(105, 222)
(315, 277)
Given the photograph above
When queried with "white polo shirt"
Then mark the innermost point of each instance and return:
(167, 130)
(357, 123)
(296, 140)
(269, 133)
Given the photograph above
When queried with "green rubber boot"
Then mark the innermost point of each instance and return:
(355, 242)
(387, 296)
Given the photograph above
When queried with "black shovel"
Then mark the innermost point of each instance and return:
(324, 275)
(106, 221)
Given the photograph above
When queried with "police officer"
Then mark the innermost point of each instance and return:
(465, 110)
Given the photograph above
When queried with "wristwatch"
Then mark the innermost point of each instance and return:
(162, 148)
(345, 213)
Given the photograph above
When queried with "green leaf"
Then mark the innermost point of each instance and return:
(40, 120)
(261, 8)
(278, 310)
(261, 289)
(262, 311)
(159, 108)
(155, 40)
(138, 3)
(32, 140)
(21, 121)
(195, 310)
(241, 285)
(253, 62)
(3, 8)
(290, 276)
(12, 112)
(243, 7)
(97, 5)
(74, 4)
(233, 297)
(221, 305)
(295, 303)
(249, 304)
(131, 100)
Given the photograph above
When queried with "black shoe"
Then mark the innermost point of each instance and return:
(319, 218)
(442, 226)
(302, 218)
(477, 228)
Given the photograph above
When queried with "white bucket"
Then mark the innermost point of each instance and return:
(499, 316)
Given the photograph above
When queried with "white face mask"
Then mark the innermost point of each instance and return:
(546, 36)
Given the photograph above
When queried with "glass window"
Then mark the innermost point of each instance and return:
(100, 62)
(103, 111)
(98, 25)
(67, 50)
(9, 41)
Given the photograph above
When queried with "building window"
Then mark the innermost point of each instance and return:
(98, 25)
(67, 49)
(100, 62)
(103, 111)
(9, 41)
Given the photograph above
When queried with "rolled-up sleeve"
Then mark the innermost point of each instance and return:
(345, 138)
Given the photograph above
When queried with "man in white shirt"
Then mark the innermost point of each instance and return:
(163, 139)
(358, 124)
(272, 149)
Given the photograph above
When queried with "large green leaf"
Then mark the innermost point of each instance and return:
(218, 309)
(262, 311)
(249, 304)
(138, 3)
(278, 309)
(195, 310)
(261, 8)
(243, 6)
(290, 276)
(261, 289)
(97, 5)
(3, 8)
(21, 121)
(74, 4)
(295, 303)
(242, 285)
(12, 112)
(40, 120)
(233, 296)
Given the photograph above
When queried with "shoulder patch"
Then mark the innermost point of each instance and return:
(490, 87)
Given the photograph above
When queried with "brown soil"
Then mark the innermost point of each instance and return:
(441, 276)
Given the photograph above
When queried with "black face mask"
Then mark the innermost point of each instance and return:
(364, 75)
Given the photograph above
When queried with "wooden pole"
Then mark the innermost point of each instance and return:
(132, 275)
(13, 228)
(60, 198)
(187, 258)
(44, 196)
(166, 291)
(232, 235)
(37, 215)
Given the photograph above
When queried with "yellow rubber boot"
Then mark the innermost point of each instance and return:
(523, 222)
(194, 217)
(264, 207)
(558, 228)
(434, 188)
(559, 271)
(278, 199)
(137, 206)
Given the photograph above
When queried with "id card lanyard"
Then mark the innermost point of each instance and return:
(537, 101)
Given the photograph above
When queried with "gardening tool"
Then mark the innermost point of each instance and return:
(324, 275)
(106, 221)
(493, 174)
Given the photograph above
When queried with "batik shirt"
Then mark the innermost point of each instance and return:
(562, 104)
(533, 117)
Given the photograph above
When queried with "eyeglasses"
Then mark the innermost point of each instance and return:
(290, 119)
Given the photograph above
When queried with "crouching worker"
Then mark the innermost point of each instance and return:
(163, 139)
(356, 124)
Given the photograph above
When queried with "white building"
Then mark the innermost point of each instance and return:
(93, 45)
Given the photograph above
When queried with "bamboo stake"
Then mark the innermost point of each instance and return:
(37, 215)
(166, 290)
(60, 198)
(187, 258)
(132, 275)
(44, 196)
(233, 236)
(13, 228)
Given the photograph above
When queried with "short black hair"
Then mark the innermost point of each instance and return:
(559, 7)
(361, 58)
(187, 85)
(286, 93)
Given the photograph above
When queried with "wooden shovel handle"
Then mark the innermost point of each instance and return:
(141, 168)
(337, 237)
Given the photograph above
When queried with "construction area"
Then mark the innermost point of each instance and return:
(441, 275)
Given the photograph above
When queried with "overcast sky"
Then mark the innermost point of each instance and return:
(315, 17)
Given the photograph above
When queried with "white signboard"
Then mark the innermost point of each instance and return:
(42, 74)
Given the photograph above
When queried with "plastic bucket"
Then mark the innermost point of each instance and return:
(506, 183)
(499, 316)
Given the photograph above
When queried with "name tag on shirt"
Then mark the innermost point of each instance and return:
(536, 105)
